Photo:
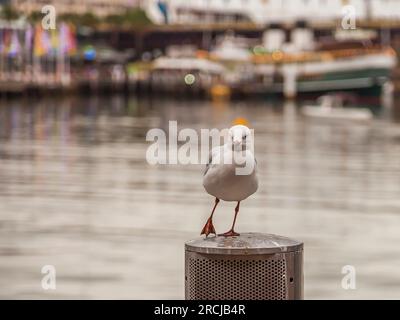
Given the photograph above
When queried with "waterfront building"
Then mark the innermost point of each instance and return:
(267, 11)
(97, 7)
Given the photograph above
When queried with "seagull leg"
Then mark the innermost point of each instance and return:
(231, 232)
(209, 227)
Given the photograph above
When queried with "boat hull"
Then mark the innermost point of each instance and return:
(342, 114)
(364, 74)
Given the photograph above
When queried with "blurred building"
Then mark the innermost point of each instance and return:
(97, 7)
(266, 11)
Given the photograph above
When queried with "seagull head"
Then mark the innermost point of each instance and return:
(239, 137)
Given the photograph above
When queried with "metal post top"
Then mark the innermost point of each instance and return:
(245, 244)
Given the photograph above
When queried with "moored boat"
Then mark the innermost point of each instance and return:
(331, 107)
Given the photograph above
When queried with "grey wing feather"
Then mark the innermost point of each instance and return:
(210, 158)
(208, 164)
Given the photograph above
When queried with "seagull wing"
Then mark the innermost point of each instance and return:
(213, 153)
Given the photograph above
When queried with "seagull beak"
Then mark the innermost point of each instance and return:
(237, 142)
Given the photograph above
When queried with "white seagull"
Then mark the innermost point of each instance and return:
(223, 177)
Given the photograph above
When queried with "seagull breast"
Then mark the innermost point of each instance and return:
(221, 178)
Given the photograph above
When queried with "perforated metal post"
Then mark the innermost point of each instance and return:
(252, 266)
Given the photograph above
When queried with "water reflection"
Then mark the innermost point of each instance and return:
(77, 193)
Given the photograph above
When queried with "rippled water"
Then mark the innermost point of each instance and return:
(77, 193)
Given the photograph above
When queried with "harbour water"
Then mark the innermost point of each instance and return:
(77, 193)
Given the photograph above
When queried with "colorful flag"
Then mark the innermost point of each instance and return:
(46, 41)
(67, 39)
(63, 39)
(42, 42)
(72, 46)
(54, 39)
(15, 47)
(6, 41)
(38, 49)
(28, 38)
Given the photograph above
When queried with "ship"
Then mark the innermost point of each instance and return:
(353, 62)
(350, 61)
(334, 66)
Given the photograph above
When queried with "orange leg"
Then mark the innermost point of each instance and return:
(231, 232)
(209, 227)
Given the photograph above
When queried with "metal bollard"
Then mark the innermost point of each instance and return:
(252, 266)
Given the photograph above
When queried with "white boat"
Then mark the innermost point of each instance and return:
(232, 48)
(330, 107)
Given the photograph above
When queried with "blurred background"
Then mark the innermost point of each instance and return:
(82, 82)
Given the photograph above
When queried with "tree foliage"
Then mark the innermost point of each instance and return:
(133, 17)
(9, 13)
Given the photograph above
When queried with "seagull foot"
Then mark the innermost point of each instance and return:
(230, 233)
(208, 228)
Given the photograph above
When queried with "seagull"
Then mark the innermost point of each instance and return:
(222, 177)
